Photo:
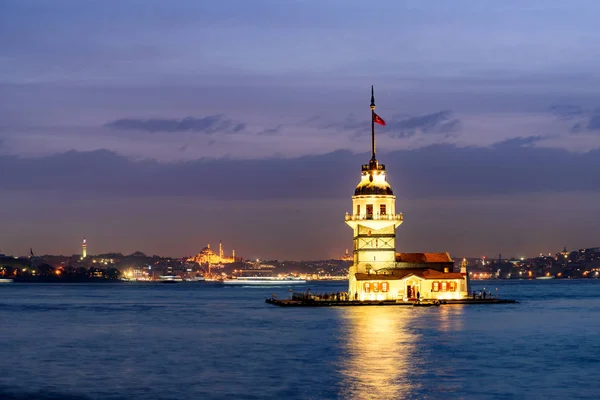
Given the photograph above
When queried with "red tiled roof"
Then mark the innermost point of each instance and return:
(433, 274)
(423, 258)
(398, 274)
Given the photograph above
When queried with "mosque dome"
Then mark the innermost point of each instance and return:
(207, 251)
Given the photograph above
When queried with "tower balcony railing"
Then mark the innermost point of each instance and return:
(374, 217)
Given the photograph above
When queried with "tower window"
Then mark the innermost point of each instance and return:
(382, 209)
(358, 209)
(369, 211)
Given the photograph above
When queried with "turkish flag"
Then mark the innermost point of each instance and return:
(378, 120)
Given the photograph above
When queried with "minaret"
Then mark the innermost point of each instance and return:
(233, 255)
(374, 219)
(220, 251)
(84, 249)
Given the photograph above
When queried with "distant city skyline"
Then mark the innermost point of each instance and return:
(195, 122)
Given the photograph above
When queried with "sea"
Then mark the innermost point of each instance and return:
(205, 340)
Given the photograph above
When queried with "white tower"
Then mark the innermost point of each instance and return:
(374, 219)
(84, 249)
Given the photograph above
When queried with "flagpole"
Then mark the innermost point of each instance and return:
(372, 124)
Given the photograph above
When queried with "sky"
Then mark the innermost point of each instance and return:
(163, 126)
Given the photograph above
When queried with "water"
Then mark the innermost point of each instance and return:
(206, 341)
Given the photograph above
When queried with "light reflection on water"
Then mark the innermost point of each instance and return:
(450, 318)
(379, 348)
(387, 350)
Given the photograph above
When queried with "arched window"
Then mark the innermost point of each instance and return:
(369, 211)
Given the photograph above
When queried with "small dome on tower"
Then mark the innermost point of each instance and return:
(372, 181)
(373, 188)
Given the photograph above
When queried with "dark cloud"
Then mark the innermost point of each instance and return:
(518, 142)
(566, 110)
(594, 123)
(577, 128)
(510, 167)
(590, 124)
(441, 122)
(507, 198)
(272, 131)
(209, 125)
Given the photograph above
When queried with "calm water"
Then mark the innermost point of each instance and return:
(205, 341)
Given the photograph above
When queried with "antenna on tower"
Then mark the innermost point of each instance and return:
(372, 124)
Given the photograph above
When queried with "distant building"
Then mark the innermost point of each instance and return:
(208, 256)
(378, 272)
(84, 249)
(347, 256)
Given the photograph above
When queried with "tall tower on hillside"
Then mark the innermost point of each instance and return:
(374, 219)
(84, 249)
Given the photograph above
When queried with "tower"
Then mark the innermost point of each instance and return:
(84, 249)
(374, 219)
(220, 251)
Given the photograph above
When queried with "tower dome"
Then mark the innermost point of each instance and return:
(373, 181)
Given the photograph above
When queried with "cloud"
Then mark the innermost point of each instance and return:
(577, 128)
(440, 170)
(442, 189)
(587, 120)
(271, 131)
(589, 124)
(594, 123)
(518, 142)
(439, 122)
(209, 125)
(566, 110)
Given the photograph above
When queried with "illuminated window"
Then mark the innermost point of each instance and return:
(382, 209)
(367, 287)
(385, 286)
(376, 287)
(369, 211)
(444, 286)
(452, 286)
(358, 209)
(435, 287)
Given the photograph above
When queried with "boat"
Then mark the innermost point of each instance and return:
(264, 280)
(169, 279)
(196, 279)
(5, 280)
(544, 277)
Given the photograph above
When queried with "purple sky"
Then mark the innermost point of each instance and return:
(160, 126)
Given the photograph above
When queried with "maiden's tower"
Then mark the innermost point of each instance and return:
(378, 272)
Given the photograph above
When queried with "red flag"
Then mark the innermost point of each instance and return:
(378, 120)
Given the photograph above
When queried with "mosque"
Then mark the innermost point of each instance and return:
(208, 256)
(378, 272)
